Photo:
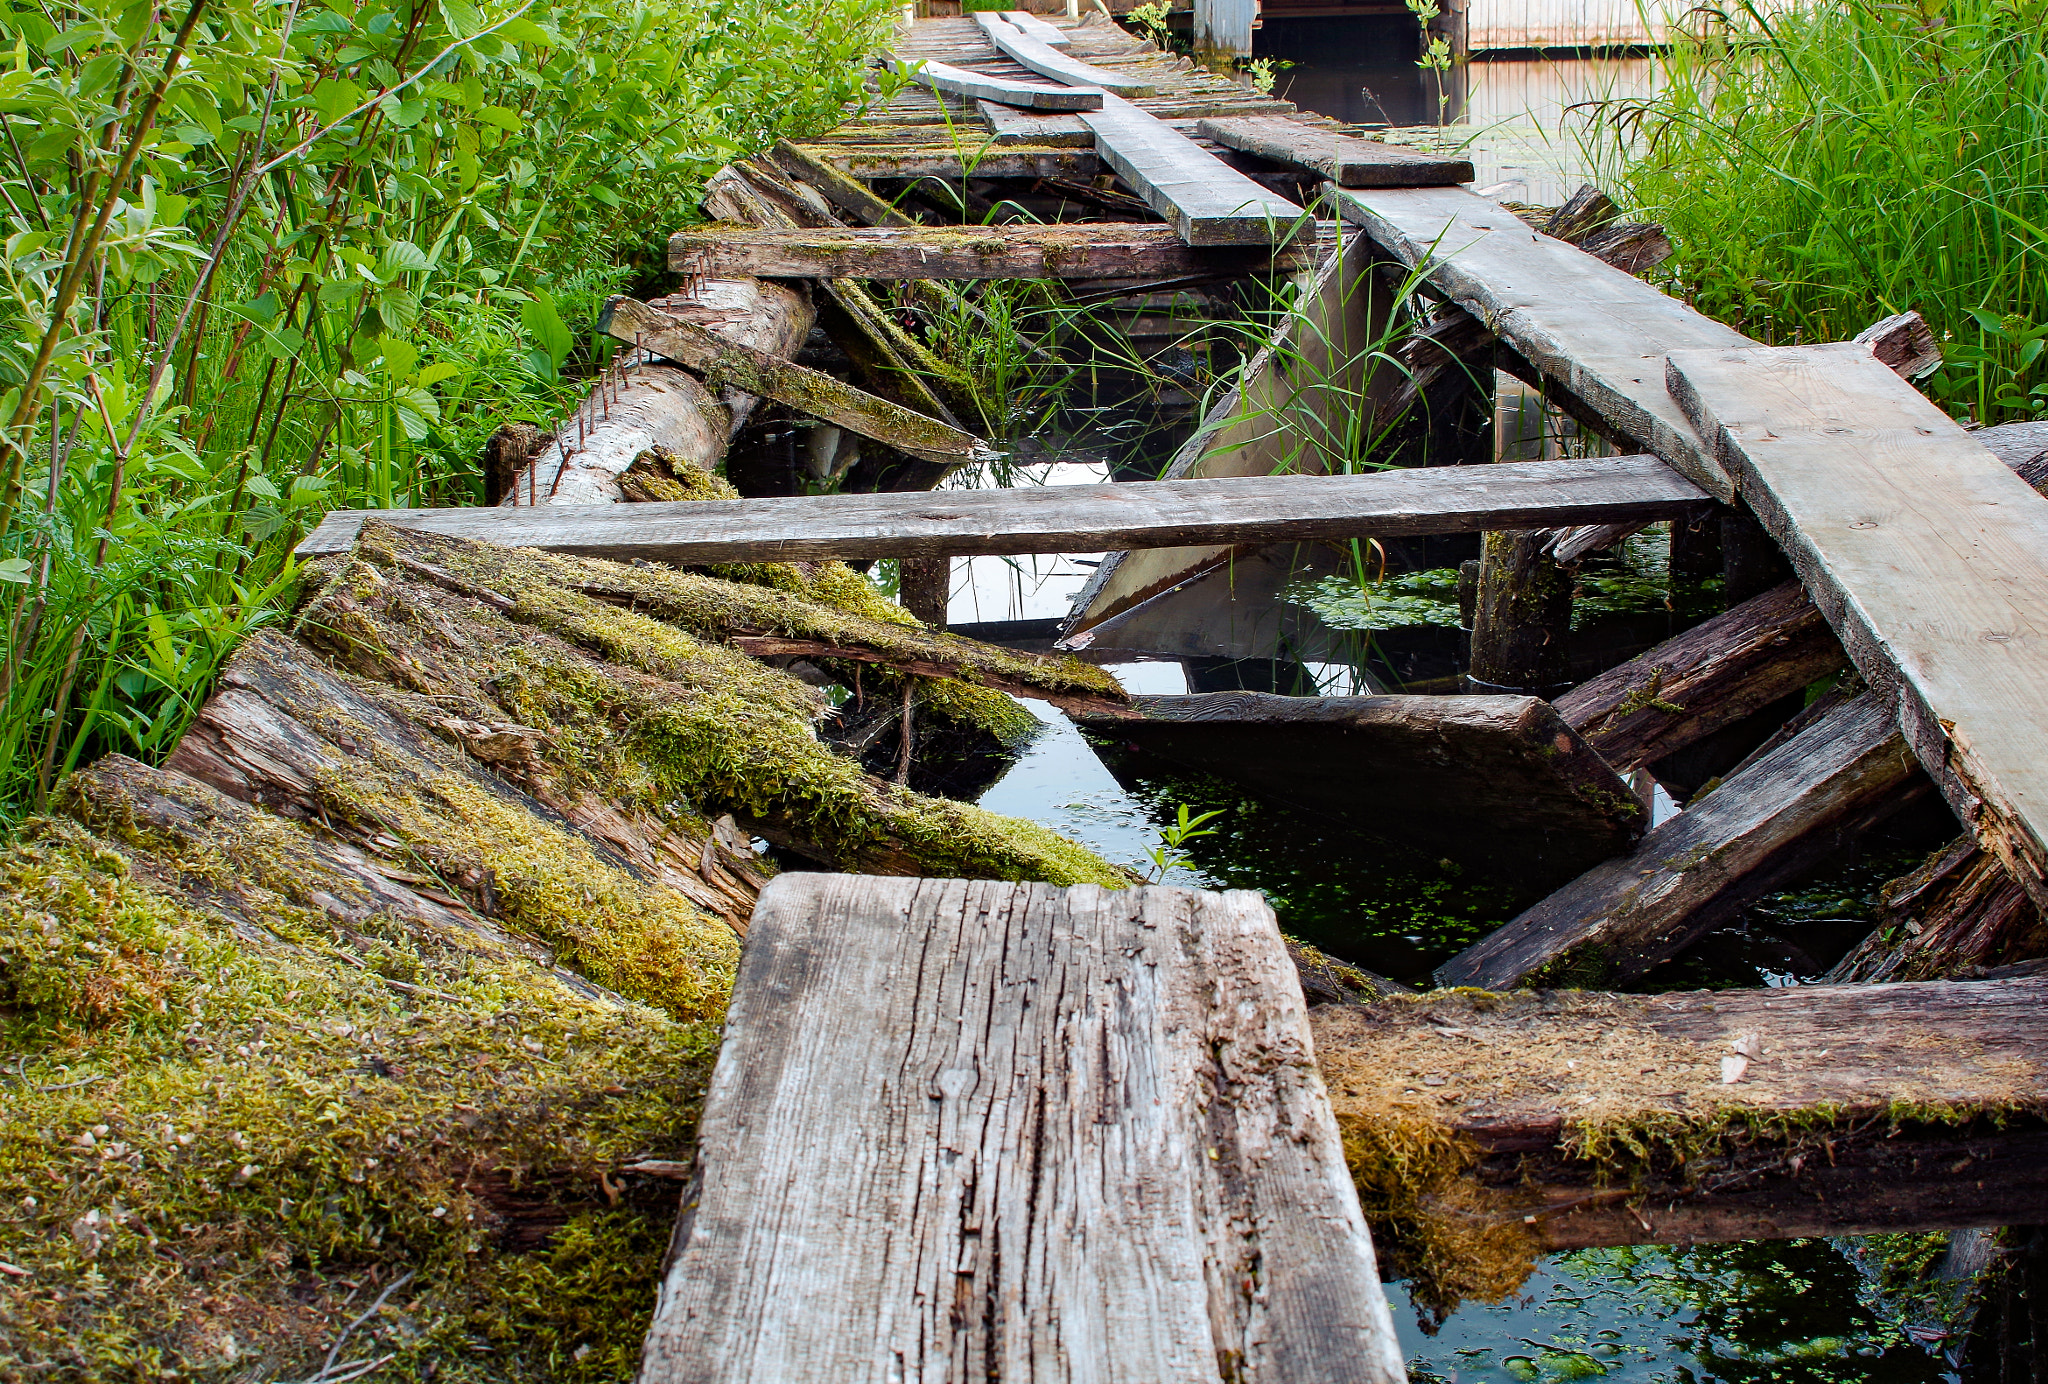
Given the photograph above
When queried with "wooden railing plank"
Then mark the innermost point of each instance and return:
(1067, 519)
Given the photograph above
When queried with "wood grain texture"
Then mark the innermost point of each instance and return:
(1051, 130)
(1711, 676)
(1958, 913)
(1206, 202)
(1065, 519)
(1598, 331)
(1047, 61)
(1925, 552)
(1345, 159)
(960, 81)
(847, 194)
(1858, 1108)
(808, 391)
(1844, 773)
(1420, 769)
(1050, 250)
(980, 1130)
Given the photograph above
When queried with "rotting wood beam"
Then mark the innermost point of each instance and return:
(1162, 1122)
(809, 391)
(1015, 251)
(947, 160)
(1710, 676)
(1771, 818)
(1559, 1120)
(1071, 518)
(1923, 550)
(848, 194)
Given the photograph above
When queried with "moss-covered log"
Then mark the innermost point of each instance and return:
(1483, 1129)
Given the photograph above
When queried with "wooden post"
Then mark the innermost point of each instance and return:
(1223, 32)
(924, 585)
(1521, 627)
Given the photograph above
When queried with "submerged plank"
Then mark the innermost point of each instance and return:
(1066, 519)
(1499, 780)
(1208, 203)
(1600, 332)
(1779, 814)
(981, 1130)
(960, 81)
(1711, 676)
(1345, 159)
(1018, 251)
(1927, 555)
(1603, 1119)
(1047, 61)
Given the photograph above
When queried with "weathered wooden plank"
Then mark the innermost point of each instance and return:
(1603, 1119)
(1600, 332)
(1959, 913)
(1008, 125)
(1028, 23)
(958, 161)
(1048, 61)
(1711, 676)
(1064, 519)
(1779, 814)
(1198, 196)
(847, 194)
(1426, 770)
(1345, 159)
(960, 81)
(1017, 251)
(810, 391)
(978, 1130)
(1927, 555)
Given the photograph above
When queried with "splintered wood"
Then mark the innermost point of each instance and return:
(975, 1130)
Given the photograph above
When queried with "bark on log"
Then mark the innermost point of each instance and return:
(1521, 627)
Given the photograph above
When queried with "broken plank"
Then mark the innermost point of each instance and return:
(873, 161)
(1711, 676)
(959, 81)
(1345, 159)
(810, 391)
(1008, 125)
(920, 1077)
(1927, 555)
(1196, 194)
(1047, 61)
(1426, 770)
(1597, 330)
(1778, 815)
(1605, 1119)
(1066, 518)
(1018, 251)
(847, 194)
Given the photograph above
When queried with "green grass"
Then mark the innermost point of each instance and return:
(1824, 168)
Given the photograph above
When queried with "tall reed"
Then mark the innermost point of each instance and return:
(1825, 166)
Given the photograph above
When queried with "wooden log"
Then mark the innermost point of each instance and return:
(2021, 446)
(1521, 626)
(1047, 61)
(958, 81)
(1014, 251)
(1068, 518)
(1008, 125)
(809, 391)
(1421, 769)
(1207, 203)
(1711, 676)
(924, 1079)
(1345, 159)
(1959, 913)
(1600, 332)
(965, 663)
(1602, 1119)
(1759, 828)
(1927, 555)
(847, 194)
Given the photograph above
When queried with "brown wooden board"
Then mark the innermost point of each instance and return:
(1208, 203)
(959, 81)
(1345, 159)
(1498, 780)
(1851, 1109)
(1779, 814)
(1600, 332)
(1711, 676)
(1065, 519)
(965, 1130)
(1017, 251)
(1925, 552)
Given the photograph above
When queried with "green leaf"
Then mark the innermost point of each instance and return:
(526, 34)
(15, 569)
(504, 117)
(538, 315)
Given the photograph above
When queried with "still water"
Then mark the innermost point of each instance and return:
(1795, 1312)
